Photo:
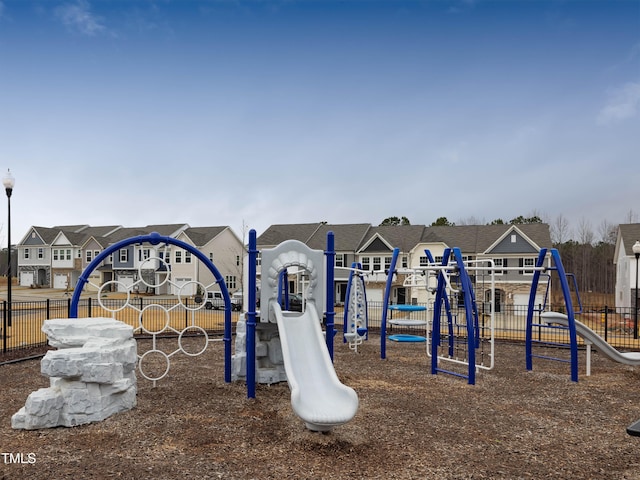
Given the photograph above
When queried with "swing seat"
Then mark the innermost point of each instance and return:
(407, 322)
(408, 308)
(405, 337)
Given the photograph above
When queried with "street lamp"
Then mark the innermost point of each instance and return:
(8, 181)
(636, 252)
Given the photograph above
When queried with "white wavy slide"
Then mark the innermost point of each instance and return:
(628, 358)
(317, 395)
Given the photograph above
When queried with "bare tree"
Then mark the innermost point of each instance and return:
(560, 231)
(585, 232)
(607, 232)
(472, 220)
(631, 217)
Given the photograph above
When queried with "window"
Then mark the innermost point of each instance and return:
(55, 254)
(124, 255)
(68, 252)
(26, 254)
(500, 262)
(258, 259)
(178, 256)
(424, 261)
(366, 263)
(438, 259)
(377, 266)
(405, 262)
(89, 256)
(526, 262)
(187, 257)
(144, 254)
(387, 263)
(531, 263)
(514, 238)
(237, 260)
(211, 257)
(96, 253)
(40, 253)
(230, 280)
(339, 259)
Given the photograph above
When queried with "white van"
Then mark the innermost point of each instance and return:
(215, 300)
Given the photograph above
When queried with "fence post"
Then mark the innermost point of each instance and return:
(4, 326)
(48, 309)
(606, 323)
(69, 307)
(89, 307)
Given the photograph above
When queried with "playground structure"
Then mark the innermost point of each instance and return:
(294, 339)
(356, 315)
(454, 334)
(317, 395)
(156, 239)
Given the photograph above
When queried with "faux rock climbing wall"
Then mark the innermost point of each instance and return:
(92, 374)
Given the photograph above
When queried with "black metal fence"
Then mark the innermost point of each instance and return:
(24, 332)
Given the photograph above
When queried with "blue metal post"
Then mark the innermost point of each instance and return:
(251, 316)
(330, 255)
(385, 304)
(465, 281)
(573, 339)
(531, 307)
(441, 296)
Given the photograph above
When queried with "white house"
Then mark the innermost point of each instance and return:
(626, 265)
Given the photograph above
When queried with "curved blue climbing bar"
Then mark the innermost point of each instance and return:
(155, 238)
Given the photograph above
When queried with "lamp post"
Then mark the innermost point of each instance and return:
(8, 181)
(636, 252)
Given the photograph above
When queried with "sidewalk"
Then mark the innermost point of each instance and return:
(26, 294)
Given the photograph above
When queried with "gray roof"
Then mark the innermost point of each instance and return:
(166, 230)
(200, 236)
(347, 237)
(276, 234)
(101, 231)
(124, 233)
(630, 234)
(70, 228)
(404, 237)
(47, 234)
(355, 236)
(478, 238)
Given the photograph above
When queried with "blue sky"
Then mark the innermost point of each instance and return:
(253, 113)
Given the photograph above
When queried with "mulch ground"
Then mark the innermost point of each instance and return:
(512, 424)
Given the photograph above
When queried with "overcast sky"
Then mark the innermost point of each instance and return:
(253, 113)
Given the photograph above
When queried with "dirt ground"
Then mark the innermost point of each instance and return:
(410, 424)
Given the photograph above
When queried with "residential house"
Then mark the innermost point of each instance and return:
(34, 257)
(96, 239)
(372, 247)
(220, 245)
(57, 256)
(626, 266)
(488, 246)
(142, 262)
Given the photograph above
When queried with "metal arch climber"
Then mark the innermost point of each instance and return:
(155, 238)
